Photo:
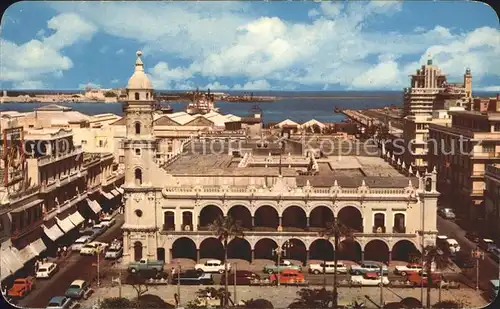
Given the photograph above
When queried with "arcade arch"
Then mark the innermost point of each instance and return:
(208, 215)
(211, 248)
(266, 218)
(184, 248)
(321, 249)
(264, 249)
(351, 217)
(376, 250)
(404, 250)
(242, 215)
(239, 248)
(320, 216)
(294, 219)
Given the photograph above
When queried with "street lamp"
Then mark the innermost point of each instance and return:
(478, 255)
(279, 251)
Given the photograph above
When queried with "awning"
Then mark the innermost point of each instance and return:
(38, 246)
(10, 261)
(108, 195)
(76, 218)
(54, 233)
(26, 254)
(94, 205)
(115, 192)
(120, 190)
(65, 224)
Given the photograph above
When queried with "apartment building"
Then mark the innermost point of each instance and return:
(429, 90)
(492, 197)
(49, 188)
(460, 153)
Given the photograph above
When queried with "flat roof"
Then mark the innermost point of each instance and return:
(348, 171)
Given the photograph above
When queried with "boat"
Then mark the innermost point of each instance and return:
(201, 103)
(163, 108)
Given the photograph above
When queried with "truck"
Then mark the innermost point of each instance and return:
(21, 287)
(285, 264)
(145, 264)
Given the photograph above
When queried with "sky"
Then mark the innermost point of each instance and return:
(240, 45)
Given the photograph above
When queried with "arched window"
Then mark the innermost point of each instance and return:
(137, 95)
(137, 251)
(138, 176)
(147, 95)
(428, 184)
(137, 128)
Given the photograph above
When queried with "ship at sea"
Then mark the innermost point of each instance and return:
(202, 103)
(163, 107)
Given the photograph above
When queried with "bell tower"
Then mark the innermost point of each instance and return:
(468, 83)
(139, 147)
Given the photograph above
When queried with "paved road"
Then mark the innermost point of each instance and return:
(281, 297)
(488, 268)
(74, 267)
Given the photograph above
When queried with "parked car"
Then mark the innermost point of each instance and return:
(145, 264)
(446, 213)
(495, 254)
(289, 277)
(93, 248)
(422, 279)
(114, 252)
(369, 266)
(193, 277)
(99, 228)
(78, 289)
(408, 269)
(80, 242)
(453, 246)
(91, 233)
(329, 268)
(243, 277)
(370, 279)
(472, 236)
(46, 270)
(487, 244)
(463, 259)
(285, 264)
(212, 266)
(60, 302)
(107, 221)
(21, 287)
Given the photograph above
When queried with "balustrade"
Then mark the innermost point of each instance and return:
(399, 229)
(379, 229)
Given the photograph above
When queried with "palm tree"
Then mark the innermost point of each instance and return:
(335, 230)
(433, 255)
(226, 228)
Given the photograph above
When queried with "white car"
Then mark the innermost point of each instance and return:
(446, 213)
(107, 221)
(453, 245)
(114, 252)
(329, 268)
(370, 279)
(93, 248)
(404, 270)
(46, 270)
(80, 242)
(212, 266)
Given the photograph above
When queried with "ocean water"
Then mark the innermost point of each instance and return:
(297, 106)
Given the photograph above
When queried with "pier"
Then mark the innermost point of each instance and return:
(377, 117)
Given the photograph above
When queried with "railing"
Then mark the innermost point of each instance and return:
(23, 194)
(26, 229)
(378, 229)
(167, 227)
(397, 229)
(54, 158)
(493, 170)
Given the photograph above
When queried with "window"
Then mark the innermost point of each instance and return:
(147, 96)
(137, 128)
(497, 127)
(488, 148)
(138, 176)
(101, 143)
(137, 95)
(137, 152)
(84, 142)
(121, 159)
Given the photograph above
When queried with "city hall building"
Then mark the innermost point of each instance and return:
(281, 196)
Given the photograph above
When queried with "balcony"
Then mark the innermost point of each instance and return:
(48, 159)
(486, 155)
(18, 233)
(379, 230)
(168, 227)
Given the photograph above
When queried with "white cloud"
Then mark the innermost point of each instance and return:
(216, 86)
(489, 88)
(260, 84)
(103, 49)
(89, 85)
(120, 51)
(333, 48)
(36, 59)
(115, 81)
(30, 85)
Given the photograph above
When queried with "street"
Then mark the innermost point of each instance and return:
(73, 268)
(488, 269)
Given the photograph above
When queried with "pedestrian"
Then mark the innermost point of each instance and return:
(58, 252)
(90, 222)
(65, 250)
(4, 290)
(176, 299)
(173, 271)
